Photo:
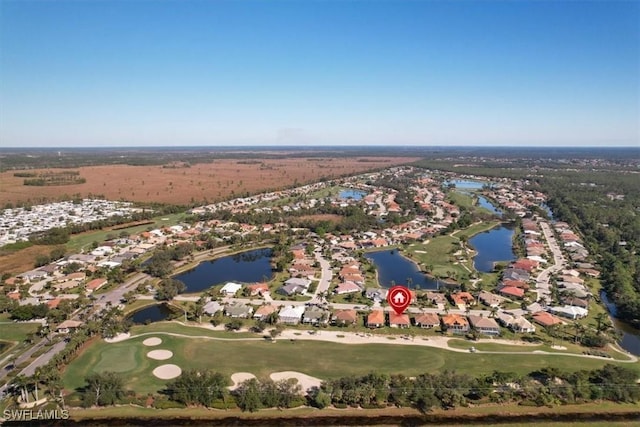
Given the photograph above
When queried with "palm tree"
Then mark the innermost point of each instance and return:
(494, 311)
(36, 377)
(22, 383)
(602, 323)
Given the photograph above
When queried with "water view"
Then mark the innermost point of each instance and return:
(492, 246)
(630, 337)
(393, 268)
(484, 203)
(352, 194)
(246, 267)
(466, 184)
(152, 313)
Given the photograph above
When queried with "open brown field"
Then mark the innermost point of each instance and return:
(22, 260)
(208, 182)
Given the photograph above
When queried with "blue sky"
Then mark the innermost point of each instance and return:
(121, 73)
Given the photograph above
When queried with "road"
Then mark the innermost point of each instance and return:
(326, 274)
(542, 281)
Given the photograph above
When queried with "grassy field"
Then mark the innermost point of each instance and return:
(316, 358)
(11, 331)
(437, 255)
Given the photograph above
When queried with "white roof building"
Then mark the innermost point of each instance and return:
(230, 288)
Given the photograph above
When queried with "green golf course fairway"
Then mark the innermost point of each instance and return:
(316, 358)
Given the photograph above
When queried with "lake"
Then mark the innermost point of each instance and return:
(492, 246)
(246, 267)
(352, 194)
(393, 267)
(152, 313)
(484, 203)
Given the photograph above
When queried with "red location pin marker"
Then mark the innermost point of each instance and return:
(399, 299)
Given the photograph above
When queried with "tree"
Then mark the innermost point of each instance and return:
(169, 288)
(197, 387)
(103, 388)
(248, 395)
(602, 323)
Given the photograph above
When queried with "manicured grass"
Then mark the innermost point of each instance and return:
(316, 358)
(462, 200)
(438, 255)
(477, 228)
(118, 359)
(17, 331)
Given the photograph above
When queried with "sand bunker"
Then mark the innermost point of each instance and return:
(167, 372)
(150, 342)
(239, 377)
(118, 338)
(304, 380)
(159, 354)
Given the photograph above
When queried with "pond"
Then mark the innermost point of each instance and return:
(484, 203)
(247, 267)
(492, 246)
(392, 268)
(352, 194)
(152, 313)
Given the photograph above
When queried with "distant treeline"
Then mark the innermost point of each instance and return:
(51, 178)
(14, 158)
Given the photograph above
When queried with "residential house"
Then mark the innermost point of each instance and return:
(375, 319)
(345, 317)
(264, 311)
(95, 284)
(230, 289)
(289, 290)
(437, 298)
(569, 311)
(291, 315)
(68, 326)
(376, 294)
(304, 283)
(455, 323)
(238, 311)
(484, 325)
(315, 316)
(258, 289)
(347, 288)
(516, 284)
(212, 307)
(427, 320)
(53, 303)
(522, 325)
(489, 299)
(512, 292)
(399, 320)
(546, 319)
(462, 300)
